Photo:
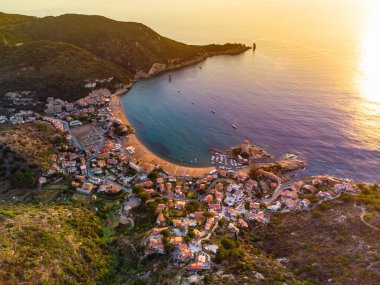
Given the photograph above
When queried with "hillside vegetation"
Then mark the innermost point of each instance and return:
(7, 19)
(34, 141)
(50, 245)
(330, 245)
(62, 52)
(49, 68)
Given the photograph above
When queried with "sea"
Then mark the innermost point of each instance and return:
(306, 96)
(311, 88)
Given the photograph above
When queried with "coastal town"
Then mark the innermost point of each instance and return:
(239, 190)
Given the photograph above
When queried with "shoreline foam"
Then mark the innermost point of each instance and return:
(144, 155)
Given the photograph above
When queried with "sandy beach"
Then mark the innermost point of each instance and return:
(143, 155)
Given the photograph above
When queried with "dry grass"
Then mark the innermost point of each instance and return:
(32, 140)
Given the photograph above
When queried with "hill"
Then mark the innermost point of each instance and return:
(86, 48)
(330, 245)
(50, 245)
(53, 69)
(7, 19)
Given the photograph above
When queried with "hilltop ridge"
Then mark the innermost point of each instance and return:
(60, 54)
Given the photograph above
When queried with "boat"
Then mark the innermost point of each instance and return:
(234, 125)
(212, 111)
(200, 67)
(192, 103)
(290, 156)
(178, 90)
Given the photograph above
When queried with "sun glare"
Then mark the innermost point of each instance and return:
(369, 66)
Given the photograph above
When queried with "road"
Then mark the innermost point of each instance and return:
(68, 129)
(88, 159)
(207, 237)
(281, 187)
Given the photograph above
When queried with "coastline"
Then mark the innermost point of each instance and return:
(160, 68)
(144, 156)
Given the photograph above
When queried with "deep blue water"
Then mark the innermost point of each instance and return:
(281, 101)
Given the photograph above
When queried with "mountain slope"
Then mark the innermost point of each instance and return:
(89, 46)
(50, 245)
(8, 19)
(50, 68)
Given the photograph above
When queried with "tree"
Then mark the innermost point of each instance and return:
(144, 196)
(187, 239)
(221, 254)
(22, 179)
(168, 247)
(202, 191)
(228, 243)
(191, 233)
(165, 233)
(151, 206)
(137, 189)
(191, 195)
(153, 175)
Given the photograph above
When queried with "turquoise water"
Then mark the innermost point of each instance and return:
(281, 100)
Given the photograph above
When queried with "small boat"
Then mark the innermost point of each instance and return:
(234, 125)
(178, 90)
(212, 111)
(170, 78)
(290, 156)
(192, 103)
(200, 67)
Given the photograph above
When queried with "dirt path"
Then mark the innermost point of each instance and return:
(362, 217)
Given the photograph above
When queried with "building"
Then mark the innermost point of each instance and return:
(86, 188)
(160, 219)
(95, 180)
(245, 146)
(130, 150)
(135, 167)
(75, 123)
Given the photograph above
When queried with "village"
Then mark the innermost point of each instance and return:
(99, 160)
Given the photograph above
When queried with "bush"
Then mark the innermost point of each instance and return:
(316, 214)
(323, 206)
(191, 195)
(228, 243)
